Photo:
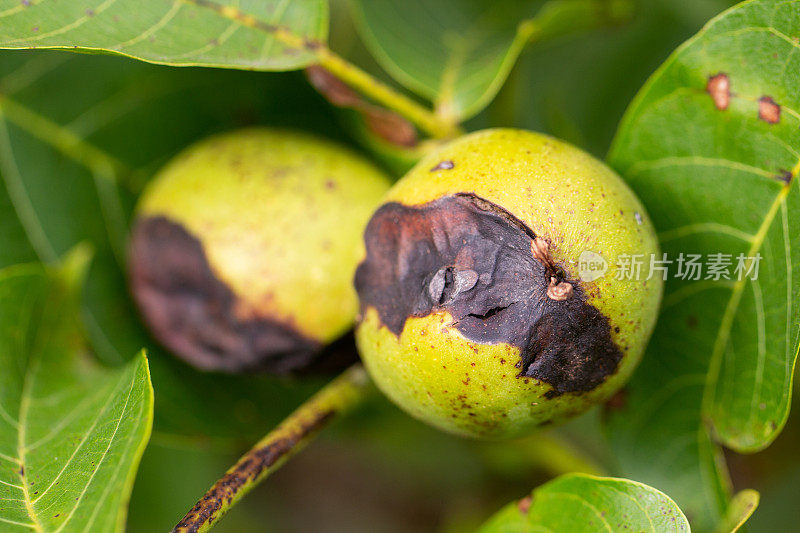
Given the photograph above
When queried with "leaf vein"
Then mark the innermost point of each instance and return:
(102, 458)
(64, 29)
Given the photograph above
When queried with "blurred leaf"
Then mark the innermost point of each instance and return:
(78, 136)
(458, 53)
(72, 433)
(741, 507)
(716, 166)
(778, 509)
(580, 502)
(544, 450)
(248, 34)
(577, 88)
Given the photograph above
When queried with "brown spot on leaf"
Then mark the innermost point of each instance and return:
(768, 110)
(197, 316)
(415, 266)
(719, 87)
(784, 176)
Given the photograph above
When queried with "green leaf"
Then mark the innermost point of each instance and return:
(741, 507)
(246, 34)
(71, 432)
(78, 136)
(718, 173)
(458, 53)
(580, 502)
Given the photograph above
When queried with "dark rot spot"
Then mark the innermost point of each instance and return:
(719, 87)
(192, 312)
(471, 258)
(444, 165)
(768, 110)
(784, 176)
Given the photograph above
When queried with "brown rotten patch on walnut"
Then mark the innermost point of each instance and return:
(193, 313)
(472, 258)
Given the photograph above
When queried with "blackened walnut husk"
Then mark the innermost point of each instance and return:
(191, 312)
(471, 258)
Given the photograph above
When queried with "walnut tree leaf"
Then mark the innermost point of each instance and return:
(458, 53)
(712, 146)
(584, 503)
(245, 34)
(71, 431)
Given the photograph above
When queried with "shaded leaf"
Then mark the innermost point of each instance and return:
(71, 433)
(580, 502)
(458, 53)
(703, 149)
(251, 34)
(577, 89)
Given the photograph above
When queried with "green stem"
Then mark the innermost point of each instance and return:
(353, 76)
(335, 399)
(546, 451)
(368, 85)
(556, 455)
(63, 140)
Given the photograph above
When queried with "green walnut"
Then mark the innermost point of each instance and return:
(244, 247)
(490, 302)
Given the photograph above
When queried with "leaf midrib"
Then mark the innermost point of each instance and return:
(24, 408)
(32, 368)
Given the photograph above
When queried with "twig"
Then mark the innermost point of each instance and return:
(64, 140)
(335, 399)
(353, 76)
